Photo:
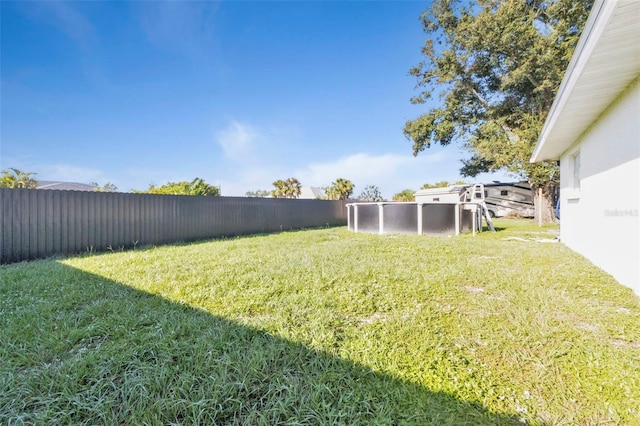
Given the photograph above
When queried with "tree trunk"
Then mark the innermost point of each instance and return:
(544, 198)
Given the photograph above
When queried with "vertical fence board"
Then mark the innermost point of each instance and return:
(83, 218)
(33, 223)
(156, 225)
(99, 218)
(40, 214)
(137, 231)
(110, 211)
(187, 217)
(69, 234)
(24, 229)
(184, 219)
(146, 219)
(90, 202)
(162, 228)
(94, 222)
(159, 217)
(118, 230)
(6, 221)
(113, 222)
(128, 228)
(62, 220)
(122, 221)
(49, 221)
(128, 237)
(106, 219)
(2, 224)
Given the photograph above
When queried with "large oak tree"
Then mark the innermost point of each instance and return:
(489, 76)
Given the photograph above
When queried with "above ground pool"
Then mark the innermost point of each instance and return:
(414, 218)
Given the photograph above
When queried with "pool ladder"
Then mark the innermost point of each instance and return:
(476, 195)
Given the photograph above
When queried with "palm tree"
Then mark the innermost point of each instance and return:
(14, 178)
(199, 187)
(289, 188)
(340, 189)
(405, 195)
(293, 188)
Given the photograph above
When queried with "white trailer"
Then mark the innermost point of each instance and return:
(509, 198)
(447, 194)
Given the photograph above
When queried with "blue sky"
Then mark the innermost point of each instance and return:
(237, 93)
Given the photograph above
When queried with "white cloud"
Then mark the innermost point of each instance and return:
(236, 140)
(390, 172)
(363, 167)
(68, 173)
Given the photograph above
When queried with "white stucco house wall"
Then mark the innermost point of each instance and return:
(593, 128)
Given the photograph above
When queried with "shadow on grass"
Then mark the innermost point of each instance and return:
(181, 243)
(496, 228)
(78, 348)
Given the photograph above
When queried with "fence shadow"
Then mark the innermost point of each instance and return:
(79, 348)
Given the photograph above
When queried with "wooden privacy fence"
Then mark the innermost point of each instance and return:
(40, 223)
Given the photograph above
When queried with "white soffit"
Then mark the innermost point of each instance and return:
(605, 63)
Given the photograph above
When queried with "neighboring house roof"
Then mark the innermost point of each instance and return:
(605, 63)
(311, 192)
(65, 186)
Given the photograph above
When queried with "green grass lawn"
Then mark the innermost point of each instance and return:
(322, 327)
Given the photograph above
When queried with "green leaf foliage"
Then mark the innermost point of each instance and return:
(288, 188)
(196, 187)
(405, 195)
(259, 193)
(442, 184)
(14, 178)
(371, 193)
(490, 74)
(340, 189)
(107, 187)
